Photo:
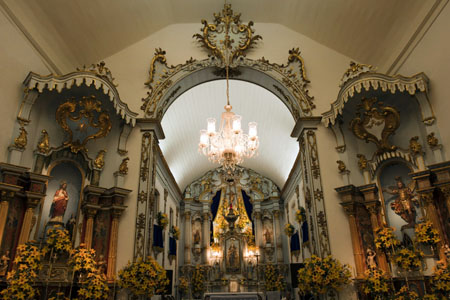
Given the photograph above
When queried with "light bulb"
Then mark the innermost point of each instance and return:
(203, 138)
(211, 126)
(252, 131)
(237, 124)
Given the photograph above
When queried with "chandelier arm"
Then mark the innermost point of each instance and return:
(228, 84)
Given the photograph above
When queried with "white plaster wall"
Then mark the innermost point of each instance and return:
(432, 56)
(17, 58)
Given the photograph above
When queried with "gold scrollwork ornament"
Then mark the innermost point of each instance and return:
(414, 146)
(362, 162)
(85, 115)
(370, 117)
(432, 141)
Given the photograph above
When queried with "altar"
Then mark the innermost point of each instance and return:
(234, 296)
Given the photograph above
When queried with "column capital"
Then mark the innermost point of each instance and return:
(257, 215)
(90, 210)
(350, 207)
(373, 206)
(427, 196)
(276, 213)
(33, 199)
(8, 191)
(154, 125)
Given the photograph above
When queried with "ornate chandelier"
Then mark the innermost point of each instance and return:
(230, 145)
(227, 39)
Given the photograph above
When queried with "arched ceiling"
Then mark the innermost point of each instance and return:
(69, 34)
(187, 116)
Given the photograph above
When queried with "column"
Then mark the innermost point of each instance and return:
(89, 214)
(278, 233)
(7, 193)
(112, 251)
(349, 203)
(33, 200)
(205, 237)
(373, 206)
(187, 237)
(258, 235)
(426, 192)
(442, 172)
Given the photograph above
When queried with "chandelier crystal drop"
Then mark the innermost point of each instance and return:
(230, 144)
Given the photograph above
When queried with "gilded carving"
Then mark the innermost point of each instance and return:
(362, 162)
(227, 38)
(99, 161)
(100, 70)
(355, 70)
(123, 168)
(432, 141)
(82, 116)
(414, 146)
(341, 166)
(21, 141)
(43, 145)
(369, 117)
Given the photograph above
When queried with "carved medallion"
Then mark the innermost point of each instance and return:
(375, 123)
(82, 121)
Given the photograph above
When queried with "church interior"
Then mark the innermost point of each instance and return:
(238, 149)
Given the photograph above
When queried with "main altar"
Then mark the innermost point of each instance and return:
(232, 230)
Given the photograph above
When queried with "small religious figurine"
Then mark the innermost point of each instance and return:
(43, 145)
(22, 140)
(59, 203)
(4, 262)
(233, 257)
(371, 263)
(403, 204)
(101, 264)
(268, 236)
(196, 237)
(123, 168)
(70, 225)
(99, 161)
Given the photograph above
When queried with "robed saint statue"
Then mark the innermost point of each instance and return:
(59, 204)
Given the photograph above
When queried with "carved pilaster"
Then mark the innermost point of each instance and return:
(350, 203)
(373, 205)
(187, 237)
(33, 200)
(112, 251)
(206, 235)
(89, 215)
(278, 234)
(259, 233)
(7, 193)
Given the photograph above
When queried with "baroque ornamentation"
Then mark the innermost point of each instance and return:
(21, 141)
(414, 146)
(164, 80)
(362, 162)
(369, 120)
(99, 161)
(99, 70)
(341, 166)
(80, 119)
(43, 145)
(123, 168)
(227, 38)
(432, 141)
(355, 70)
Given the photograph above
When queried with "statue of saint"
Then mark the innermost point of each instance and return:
(59, 203)
(403, 204)
(233, 257)
(196, 237)
(268, 236)
(371, 263)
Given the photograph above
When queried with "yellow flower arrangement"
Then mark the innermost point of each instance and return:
(300, 215)
(143, 277)
(405, 294)
(175, 231)
(431, 297)
(289, 229)
(385, 239)
(376, 284)
(183, 285)
(198, 281)
(58, 240)
(92, 283)
(274, 280)
(440, 280)
(320, 274)
(408, 260)
(426, 234)
(162, 220)
(20, 281)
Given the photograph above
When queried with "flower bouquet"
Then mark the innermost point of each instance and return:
(408, 259)
(300, 215)
(405, 294)
(58, 240)
(175, 231)
(385, 239)
(440, 280)
(426, 234)
(162, 220)
(376, 284)
(289, 229)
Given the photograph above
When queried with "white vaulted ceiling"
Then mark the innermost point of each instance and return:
(187, 115)
(86, 31)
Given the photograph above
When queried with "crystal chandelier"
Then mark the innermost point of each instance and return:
(230, 144)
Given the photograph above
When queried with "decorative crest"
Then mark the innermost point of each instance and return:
(99, 70)
(82, 121)
(354, 71)
(21, 141)
(43, 145)
(376, 124)
(227, 38)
